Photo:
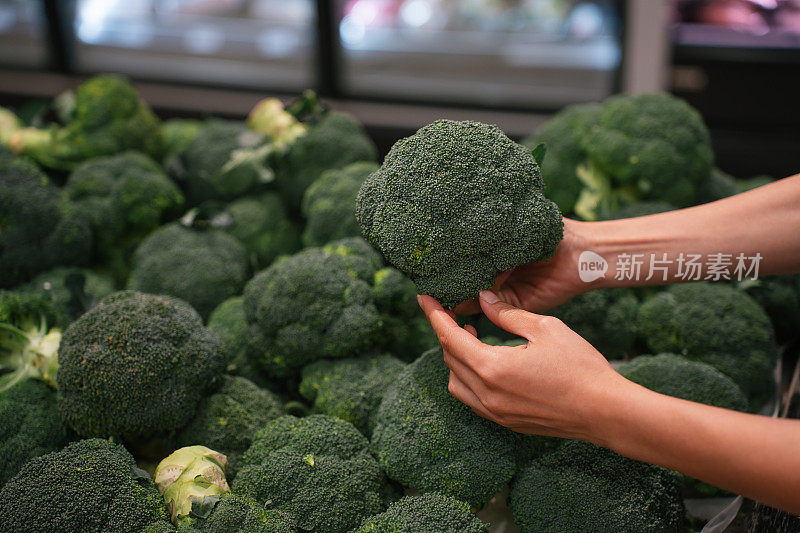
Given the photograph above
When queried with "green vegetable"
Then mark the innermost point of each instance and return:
(109, 117)
(191, 479)
(427, 440)
(28, 346)
(136, 365)
(332, 143)
(635, 209)
(262, 225)
(202, 267)
(72, 291)
(431, 513)
(720, 185)
(561, 136)
(312, 305)
(177, 134)
(780, 298)
(228, 419)
(271, 119)
(30, 426)
(581, 487)
(605, 318)
(329, 204)
(239, 514)
(455, 204)
(317, 468)
(37, 230)
(350, 389)
(223, 161)
(91, 486)
(9, 124)
(714, 324)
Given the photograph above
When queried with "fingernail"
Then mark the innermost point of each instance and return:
(489, 297)
(419, 300)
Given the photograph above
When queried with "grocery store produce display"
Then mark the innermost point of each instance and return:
(197, 295)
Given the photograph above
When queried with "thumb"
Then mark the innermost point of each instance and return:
(508, 317)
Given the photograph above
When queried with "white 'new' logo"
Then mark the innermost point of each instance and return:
(591, 266)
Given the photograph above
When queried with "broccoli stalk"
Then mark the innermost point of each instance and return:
(599, 194)
(28, 347)
(270, 118)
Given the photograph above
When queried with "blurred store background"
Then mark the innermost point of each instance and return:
(398, 64)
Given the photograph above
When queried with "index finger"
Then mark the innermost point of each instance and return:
(453, 338)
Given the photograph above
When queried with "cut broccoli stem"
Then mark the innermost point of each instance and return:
(31, 353)
(599, 193)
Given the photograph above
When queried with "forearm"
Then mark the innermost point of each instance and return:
(752, 455)
(760, 226)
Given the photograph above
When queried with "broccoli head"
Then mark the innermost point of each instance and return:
(223, 161)
(262, 225)
(431, 513)
(108, 117)
(177, 133)
(72, 291)
(581, 487)
(227, 420)
(455, 204)
(720, 185)
(37, 230)
(126, 196)
(317, 469)
(755, 182)
(92, 486)
(405, 332)
(202, 267)
(429, 441)
(780, 298)
(9, 124)
(315, 304)
(561, 135)
(28, 346)
(329, 204)
(677, 376)
(643, 147)
(239, 514)
(636, 209)
(334, 142)
(350, 389)
(605, 318)
(30, 426)
(717, 324)
(136, 365)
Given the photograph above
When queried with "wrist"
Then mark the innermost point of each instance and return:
(613, 410)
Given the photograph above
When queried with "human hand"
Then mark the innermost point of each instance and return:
(555, 385)
(541, 286)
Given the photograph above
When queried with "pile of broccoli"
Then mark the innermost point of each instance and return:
(198, 292)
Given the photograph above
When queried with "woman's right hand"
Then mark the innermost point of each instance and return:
(537, 287)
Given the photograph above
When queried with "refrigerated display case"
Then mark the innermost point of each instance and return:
(22, 34)
(254, 43)
(513, 53)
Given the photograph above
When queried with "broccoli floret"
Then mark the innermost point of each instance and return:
(405, 332)
(127, 196)
(9, 124)
(262, 225)
(28, 346)
(270, 118)
(223, 161)
(37, 231)
(605, 318)
(329, 204)
(780, 298)
(30, 426)
(677, 376)
(334, 142)
(317, 468)
(753, 183)
(136, 365)
(431, 513)
(177, 133)
(635, 209)
(643, 147)
(239, 514)
(455, 204)
(227, 420)
(72, 291)
(561, 136)
(312, 305)
(429, 441)
(350, 389)
(92, 486)
(109, 117)
(720, 185)
(714, 324)
(581, 487)
(203, 268)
